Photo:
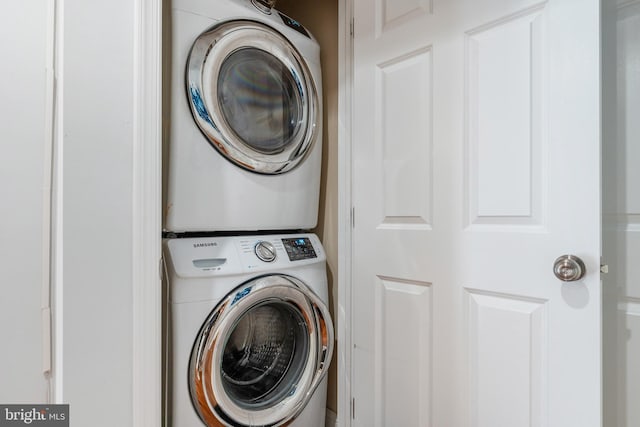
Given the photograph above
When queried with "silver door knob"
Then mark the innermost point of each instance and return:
(569, 268)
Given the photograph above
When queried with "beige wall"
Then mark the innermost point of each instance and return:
(321, 18)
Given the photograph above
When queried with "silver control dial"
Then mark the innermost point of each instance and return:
(265, 251)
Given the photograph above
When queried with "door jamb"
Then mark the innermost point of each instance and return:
(345, 210)
(146, 215)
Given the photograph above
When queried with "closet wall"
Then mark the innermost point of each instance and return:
(321, 18)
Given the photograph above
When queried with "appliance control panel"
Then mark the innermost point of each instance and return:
(299, 248)
(228, 255)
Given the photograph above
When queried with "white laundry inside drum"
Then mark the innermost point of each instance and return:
(264, 355)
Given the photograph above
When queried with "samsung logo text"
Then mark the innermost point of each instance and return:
(203, 245)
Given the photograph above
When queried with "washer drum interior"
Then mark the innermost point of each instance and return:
(260, 354)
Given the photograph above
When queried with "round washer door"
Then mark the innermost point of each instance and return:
(260, 354)
(252, 96)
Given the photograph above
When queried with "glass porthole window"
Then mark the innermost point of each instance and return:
(252, 96)
(259, 100)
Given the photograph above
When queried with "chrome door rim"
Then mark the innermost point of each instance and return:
(208, 394)
(208, 53)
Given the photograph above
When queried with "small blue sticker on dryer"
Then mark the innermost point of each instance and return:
(241, 294)
(197, 102)
(294, 24)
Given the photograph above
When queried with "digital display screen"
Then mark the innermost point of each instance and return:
(299, 248)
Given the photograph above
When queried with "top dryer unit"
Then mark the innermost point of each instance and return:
(246, 119)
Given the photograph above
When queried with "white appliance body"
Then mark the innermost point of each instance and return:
(209, 280)
(245, 128)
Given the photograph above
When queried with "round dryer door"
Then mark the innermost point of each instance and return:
(260, 354)
(252, 96)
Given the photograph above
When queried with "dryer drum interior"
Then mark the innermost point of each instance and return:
(261, 353)
(264, 355)
(252, 95)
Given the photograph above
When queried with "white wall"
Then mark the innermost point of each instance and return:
(23, 143)
(97, 153)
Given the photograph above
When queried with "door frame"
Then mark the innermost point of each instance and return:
(343, 312)
(146, 216)
(147, 195)
(147, 222)
(146, 173)
(146, 239)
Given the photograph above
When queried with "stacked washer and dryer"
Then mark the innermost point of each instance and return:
(249, 334)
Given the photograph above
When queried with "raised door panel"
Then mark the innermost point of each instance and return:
(403, 125)
(504, 104)
(507, 337)
(403, 352)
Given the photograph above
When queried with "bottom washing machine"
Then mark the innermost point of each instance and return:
(250, 335)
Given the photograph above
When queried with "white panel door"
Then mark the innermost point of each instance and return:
(476, 156)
